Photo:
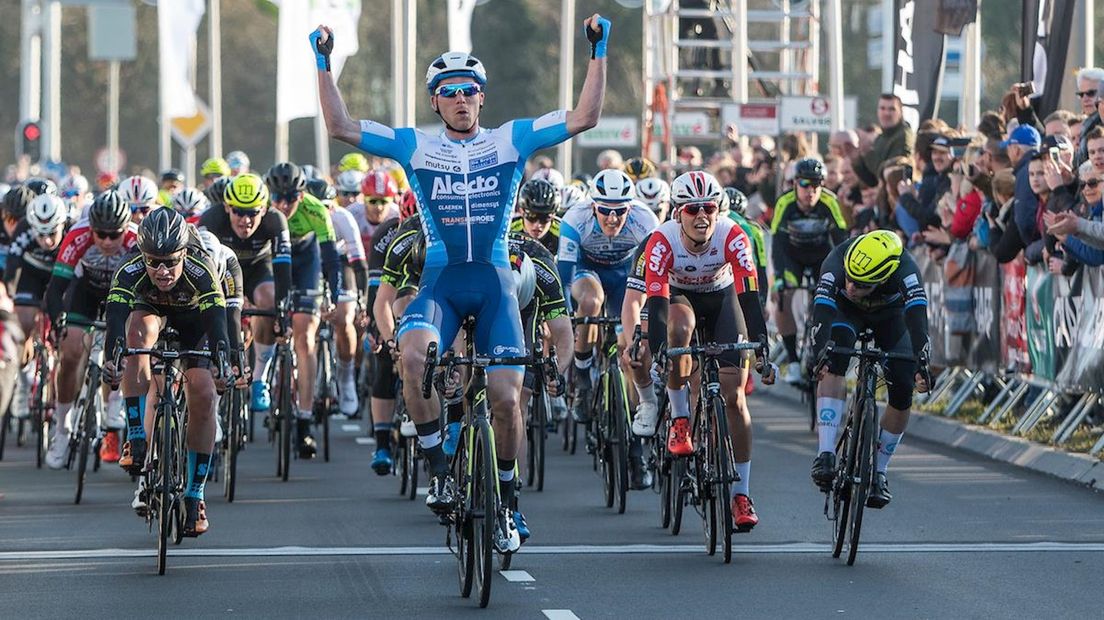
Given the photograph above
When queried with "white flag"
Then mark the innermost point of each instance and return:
(296, 81)
(177, 21)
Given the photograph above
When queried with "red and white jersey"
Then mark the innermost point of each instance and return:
(727, 259)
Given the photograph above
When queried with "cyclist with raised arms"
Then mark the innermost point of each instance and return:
(89, 256)
(258, 236)
(597, 241)
(807, 224)
(701, 275)
(313, 253)
(538, 202)
(173, 282)
(869, 282)
(466, 179)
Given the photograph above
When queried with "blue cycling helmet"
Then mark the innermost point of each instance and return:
(455, 64)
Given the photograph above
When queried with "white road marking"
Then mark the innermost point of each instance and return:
(559, 614)
(786, 548)
(366, 441)
(422, 491)
(350, 427)
(516, 575)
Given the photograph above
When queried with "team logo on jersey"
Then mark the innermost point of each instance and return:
(656, 257)
(483, 162)
(448, 186)
(740, 247)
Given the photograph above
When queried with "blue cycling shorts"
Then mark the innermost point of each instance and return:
(306, 275)
(614, 281)
(450, 293)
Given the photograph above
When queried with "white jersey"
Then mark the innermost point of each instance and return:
(347, 234)
(367, 228)
(582, 240)
(725, 260)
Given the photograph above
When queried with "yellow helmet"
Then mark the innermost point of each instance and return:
(873, 257)
(215, 165)
(353, 161)
(399, 175)
(639, 168)
(246, 191)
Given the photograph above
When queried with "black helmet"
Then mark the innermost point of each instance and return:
(109, 212)
(809, 168)
(163, 232)
(321, 189)
(285, 178)
(172, 174)
(539, 196)
(215, 191)
(417, 254)
(16, 201)
(41, 186)
(737, 201)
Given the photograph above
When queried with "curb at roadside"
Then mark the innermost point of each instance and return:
(1080, 468)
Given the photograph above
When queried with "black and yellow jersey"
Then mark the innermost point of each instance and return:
(550, 240)
(804, 238)
(198, 294)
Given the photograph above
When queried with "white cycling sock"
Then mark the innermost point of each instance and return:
(61, 415)
(262, 357)
(887, 445)
(829, 411)
(740, 487)
(680, 401)
(345, 370)
(646, 393)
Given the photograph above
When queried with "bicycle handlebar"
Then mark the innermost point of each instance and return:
(595, 320)
(79, 322)
(478, 361)
(713, 349)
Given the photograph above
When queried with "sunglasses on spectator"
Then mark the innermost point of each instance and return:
(245, 212)
(289, 197)
(608, 210)
(693, 209)
(536, 217)
(1090, 183)
(1086, 93)
(378, 201)
(807, 183)
(107, 234)
(157, 262)
(468, 89)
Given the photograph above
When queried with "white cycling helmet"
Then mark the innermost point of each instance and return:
(455, 64)
(349, 181)
(239, 162)
(653, 192)
(612, 185)
(571, 195)
(46, 214)
(73, 186)
(138, 190)
(696, 186)
(553, 176)
(219, 253)
(190, 201)
(525, 279)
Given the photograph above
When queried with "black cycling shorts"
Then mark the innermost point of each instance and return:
(192, 334)
(31, 288)
(254, 275)
(718, 318)
(84, 301)
(890, 335)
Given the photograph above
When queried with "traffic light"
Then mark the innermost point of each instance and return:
(30, 140)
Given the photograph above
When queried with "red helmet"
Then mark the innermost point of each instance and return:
(378, 183)
(408, 205)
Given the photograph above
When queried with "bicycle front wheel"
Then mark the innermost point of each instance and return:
(484, 485)
(287, 416)
(725, 472)
(166, 452)
(620, 439)
(88, 430)
(863, 476)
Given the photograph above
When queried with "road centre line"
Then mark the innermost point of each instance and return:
(559, 614)
(784, 548)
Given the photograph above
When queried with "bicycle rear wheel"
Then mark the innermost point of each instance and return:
(544, 410)
(484, 501)
(462, 522)
(863, 475)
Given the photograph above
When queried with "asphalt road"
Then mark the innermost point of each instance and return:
(965, 537)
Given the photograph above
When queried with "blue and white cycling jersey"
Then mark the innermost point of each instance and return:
(466, 189)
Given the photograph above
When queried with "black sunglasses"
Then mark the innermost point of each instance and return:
(1091, 183)
(1086, 93)
(108, 234)
(245, 212)
(808, 183)
(157, 262)
(536, 217)
(289, 197)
